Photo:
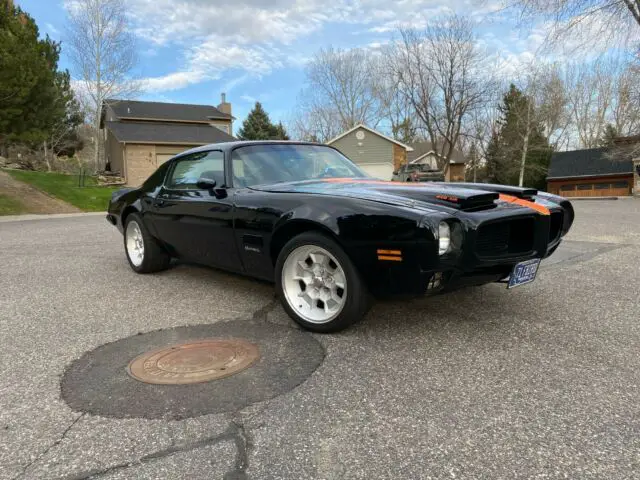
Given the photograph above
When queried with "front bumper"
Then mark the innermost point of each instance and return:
(476, 261)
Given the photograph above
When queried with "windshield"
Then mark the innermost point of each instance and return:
(267, 164)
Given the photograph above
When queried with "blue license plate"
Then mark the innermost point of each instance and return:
(524, 272)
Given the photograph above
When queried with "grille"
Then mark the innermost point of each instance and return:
(556, 226)
(510, 237)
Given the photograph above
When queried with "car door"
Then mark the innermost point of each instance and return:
(196, 224)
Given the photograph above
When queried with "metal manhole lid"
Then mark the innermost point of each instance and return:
(194, 362)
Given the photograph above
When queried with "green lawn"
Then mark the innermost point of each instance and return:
(10, 206)
(91, 198)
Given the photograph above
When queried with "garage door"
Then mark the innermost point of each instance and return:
(163, 157)
(383, 171)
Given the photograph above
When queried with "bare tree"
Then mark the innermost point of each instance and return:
(580, 21)
(314, 122)
(441, 72)
(395, 108)
(552, 103)
(102, 52)
(626, 108)
(341, 89)
(590, 88)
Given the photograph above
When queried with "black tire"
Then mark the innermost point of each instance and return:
(154, 258)
(358, 299)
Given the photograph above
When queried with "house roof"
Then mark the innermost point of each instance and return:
(588, 163)
(171, 133)
(360, 125)
(420, 149)
(134, 109)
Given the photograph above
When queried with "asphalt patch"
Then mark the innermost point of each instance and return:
(98, 382)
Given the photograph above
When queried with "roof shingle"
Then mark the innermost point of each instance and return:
(165, 111)
(188, 134)
(589, 162)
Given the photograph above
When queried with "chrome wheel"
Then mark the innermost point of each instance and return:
(135, 243)
(314, 284)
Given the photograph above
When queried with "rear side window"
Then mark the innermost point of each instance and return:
(189, 169)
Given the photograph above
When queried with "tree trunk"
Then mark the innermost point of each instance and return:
(96, 139)
(46, 155)
(525, 146)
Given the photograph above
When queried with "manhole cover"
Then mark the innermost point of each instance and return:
(194, 362)
(100, 382)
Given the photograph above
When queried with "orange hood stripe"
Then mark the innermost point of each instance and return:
(525, 203)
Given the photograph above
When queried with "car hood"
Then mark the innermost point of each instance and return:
(395, 193)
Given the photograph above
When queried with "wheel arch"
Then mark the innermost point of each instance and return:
(295, 227)
(126, 212)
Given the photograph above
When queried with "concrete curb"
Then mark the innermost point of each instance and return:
(34, 216)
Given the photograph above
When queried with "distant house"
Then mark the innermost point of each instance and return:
(594, 172)
(140, 136)
(375, 153)
(424, 154)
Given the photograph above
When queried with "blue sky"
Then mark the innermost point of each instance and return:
(192, 50)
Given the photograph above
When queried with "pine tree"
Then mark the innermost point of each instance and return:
(30, 83)
(519, 130)
(258, 126)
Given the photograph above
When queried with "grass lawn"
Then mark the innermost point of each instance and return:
(10, 206)
(91, 198)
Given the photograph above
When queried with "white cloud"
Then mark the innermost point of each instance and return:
(51, 29)
(256, 37)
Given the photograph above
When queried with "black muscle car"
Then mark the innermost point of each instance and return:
(305, 217)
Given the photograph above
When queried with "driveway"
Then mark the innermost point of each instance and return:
(542, 381)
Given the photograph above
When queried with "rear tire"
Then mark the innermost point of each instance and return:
(143, 252)
(318, 285)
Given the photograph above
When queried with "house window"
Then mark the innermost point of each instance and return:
(585, 186)
(567, 188)
(603, 186)
(621, 185)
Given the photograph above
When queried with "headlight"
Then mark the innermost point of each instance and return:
(444, 236)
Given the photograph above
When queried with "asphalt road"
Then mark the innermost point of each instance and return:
(538, 382)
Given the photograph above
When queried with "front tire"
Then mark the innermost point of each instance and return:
(318, 285)
(142, 250)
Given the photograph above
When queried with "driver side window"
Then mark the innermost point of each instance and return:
(189, 169)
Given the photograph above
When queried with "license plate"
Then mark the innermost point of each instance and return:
(524, 272)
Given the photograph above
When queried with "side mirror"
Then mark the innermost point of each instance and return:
(206, 183)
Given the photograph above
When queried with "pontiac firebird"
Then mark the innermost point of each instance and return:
(330, 237)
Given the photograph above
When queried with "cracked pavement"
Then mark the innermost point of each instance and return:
(541, 381)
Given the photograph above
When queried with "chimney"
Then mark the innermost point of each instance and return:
(225, 107)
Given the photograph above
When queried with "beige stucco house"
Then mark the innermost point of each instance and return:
(375, 153)
(140, 136)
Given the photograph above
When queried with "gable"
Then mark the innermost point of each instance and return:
(362, 130)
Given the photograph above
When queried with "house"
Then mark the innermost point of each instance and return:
(424, 154)
(375, 153)
(593, 172)
(140, 136)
